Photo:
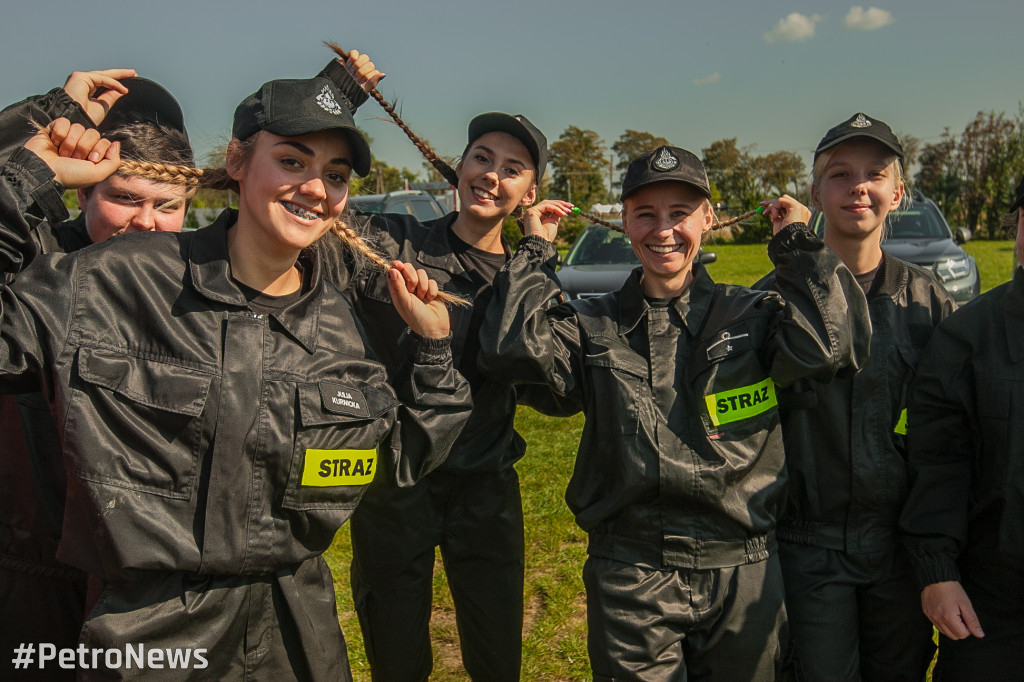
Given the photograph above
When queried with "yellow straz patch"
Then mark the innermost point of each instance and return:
(324, 468)
(901, 425)
(741, 403)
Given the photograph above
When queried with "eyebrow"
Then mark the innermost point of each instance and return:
(492, 153)
(678, 204)
(308, 151)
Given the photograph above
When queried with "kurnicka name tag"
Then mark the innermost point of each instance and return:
(324, 468)
(741, 403)
(343, 399)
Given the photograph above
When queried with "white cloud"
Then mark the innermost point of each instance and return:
(707, 80)
(793, 29)
(860, 19)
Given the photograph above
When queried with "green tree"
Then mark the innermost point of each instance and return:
(578, 158)
(733, 171)
(779, 173)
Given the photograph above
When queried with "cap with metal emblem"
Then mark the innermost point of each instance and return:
(665, 163)
(860, 125)
(519, 127)
(294, 107)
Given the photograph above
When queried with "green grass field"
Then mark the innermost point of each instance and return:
(554, 633)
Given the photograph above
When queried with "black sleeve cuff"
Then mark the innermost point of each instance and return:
(423, 350)
(347, 84)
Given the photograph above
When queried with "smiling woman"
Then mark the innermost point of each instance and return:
(220, 411)
(680, 471)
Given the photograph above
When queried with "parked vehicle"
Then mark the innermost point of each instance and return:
(599, 261)
(417, 203)
(919, 234)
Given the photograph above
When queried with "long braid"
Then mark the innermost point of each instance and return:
(348, 235)
(717, 225)
(446, 171)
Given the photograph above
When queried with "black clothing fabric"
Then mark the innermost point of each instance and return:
(854, 616)
(846, 456)
(665, 626)
(845, 440)
(964, 517)
(722, 467)
(170, 394)
(481, 540)
(680, 465)
(477, 520)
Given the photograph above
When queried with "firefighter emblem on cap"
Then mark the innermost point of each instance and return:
(665, 161)
(861, 122)
(327, 102)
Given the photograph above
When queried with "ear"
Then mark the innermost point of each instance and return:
(83, 198)
(458, 167)
(530, 197)
(897, 197)
(709, 216)
(232, 160)
(815, 199)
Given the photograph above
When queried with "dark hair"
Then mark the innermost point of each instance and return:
(151, 143)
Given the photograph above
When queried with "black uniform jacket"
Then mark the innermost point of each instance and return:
(199, 436)
(488, 443)
(705, 490)
(965, 426)
(846, 440)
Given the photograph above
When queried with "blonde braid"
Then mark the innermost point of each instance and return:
(352, 239)
(733, 221)
(446, 171)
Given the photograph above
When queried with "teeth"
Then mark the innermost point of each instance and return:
(662, 249)
(299, 211)
(484, 195)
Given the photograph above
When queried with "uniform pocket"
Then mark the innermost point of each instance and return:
(135, 422)
(335, 454)
(618, 386)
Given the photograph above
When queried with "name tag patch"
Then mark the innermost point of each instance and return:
(324, 468)
(343, 399)
(741, 403)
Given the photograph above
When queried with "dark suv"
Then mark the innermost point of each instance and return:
(416, 203)
(919, 234)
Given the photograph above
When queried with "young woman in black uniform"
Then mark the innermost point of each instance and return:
(219, 409)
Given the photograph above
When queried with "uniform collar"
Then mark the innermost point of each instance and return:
(1014, 316)
(692, 305)
(894, 276)
(437, 251)
(211, 276)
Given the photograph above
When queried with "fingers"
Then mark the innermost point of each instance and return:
(75, 141)
(363, 70)
(970, 619)
(416, 282)
(107, 78)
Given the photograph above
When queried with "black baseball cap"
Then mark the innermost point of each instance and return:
(145, 102)
(1019, 201)
(665, 163)
(860, 125)
(299, 106)
(519, 127)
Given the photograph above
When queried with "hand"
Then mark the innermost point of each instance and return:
(415, 298)
(96, 91)
(785, 211)
(78, 156)
(542, 218)
(363, 70)
(949, 609)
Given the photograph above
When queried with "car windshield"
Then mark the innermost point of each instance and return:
(600, 246)
(916, 222)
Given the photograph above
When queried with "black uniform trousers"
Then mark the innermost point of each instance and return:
(477, 521)
(854, 616)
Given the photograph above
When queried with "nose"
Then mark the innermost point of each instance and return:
(314, 187)
(144, 219)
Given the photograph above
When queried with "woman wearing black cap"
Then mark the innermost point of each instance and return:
(679, 476)
(219, 410)
(963, 521)
(850, 594)
(43, 596)
(471, 506)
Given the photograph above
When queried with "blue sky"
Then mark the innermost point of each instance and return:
(772, 74)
